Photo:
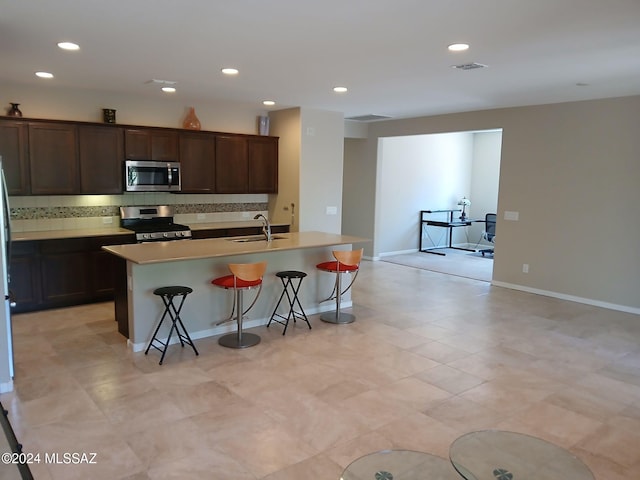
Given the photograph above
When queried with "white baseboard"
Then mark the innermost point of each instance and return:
(572, 298)
(399, 252)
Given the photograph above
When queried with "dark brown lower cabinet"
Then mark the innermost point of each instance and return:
(24, 276)
(63, 272)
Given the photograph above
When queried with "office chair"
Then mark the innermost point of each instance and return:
(489, 233)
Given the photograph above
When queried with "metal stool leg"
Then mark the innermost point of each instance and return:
(176, 324)
(290, 289)
(272, 319)
(240, 339)
(301, 315)
(338, 316)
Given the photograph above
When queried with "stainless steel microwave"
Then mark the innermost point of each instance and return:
(152, 176)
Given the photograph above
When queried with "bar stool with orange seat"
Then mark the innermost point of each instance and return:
(244, 276)
(346, 261)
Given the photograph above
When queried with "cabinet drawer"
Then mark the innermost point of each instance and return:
(66, 245)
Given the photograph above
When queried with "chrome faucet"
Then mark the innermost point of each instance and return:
(266, 226)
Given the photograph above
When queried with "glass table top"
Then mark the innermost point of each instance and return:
(500, 455)
(400, 465)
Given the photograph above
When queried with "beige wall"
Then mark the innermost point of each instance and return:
(572, 171)
(155, 110)
(284, 207)
(321, 167)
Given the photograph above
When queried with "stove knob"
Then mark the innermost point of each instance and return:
(145, 235)
(165, 235)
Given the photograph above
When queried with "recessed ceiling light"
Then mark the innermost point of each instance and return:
(44, 74)
(230, 71)
(340, 89)
(69, 46)
(168, 89)
(458, 47)
(269, 103)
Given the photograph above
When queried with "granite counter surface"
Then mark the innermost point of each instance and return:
(160, 252)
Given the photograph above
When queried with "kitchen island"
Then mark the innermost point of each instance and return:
(195, 263)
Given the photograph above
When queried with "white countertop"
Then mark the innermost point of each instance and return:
(160, 252)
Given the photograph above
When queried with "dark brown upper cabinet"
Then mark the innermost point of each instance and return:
(246, 164)
(57, 157)
(197, 159)
(101, 153)
(53, 158)
(151, 144)
(14, 150)
(263, 165)
(232, 164)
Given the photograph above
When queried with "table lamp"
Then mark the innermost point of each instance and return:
(465, 202)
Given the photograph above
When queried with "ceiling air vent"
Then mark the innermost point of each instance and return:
(469, 66)
(368, 118)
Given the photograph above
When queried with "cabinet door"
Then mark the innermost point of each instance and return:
(164, 146)
(101, 153)
(24, 279)
(53, 159)
(137, 144)
(197, 159)
(14, 153)
(64, 271)
(232, 165)
(146, 144)
(263, 165)
(102, 266)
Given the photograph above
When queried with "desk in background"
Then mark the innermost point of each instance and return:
(449, 224)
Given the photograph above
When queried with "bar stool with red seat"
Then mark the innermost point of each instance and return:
(244, 276)
(346, 261)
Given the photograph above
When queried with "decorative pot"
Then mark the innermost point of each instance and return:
(14, 111)
(191, 121)
(109, 115)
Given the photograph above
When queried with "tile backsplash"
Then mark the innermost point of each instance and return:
(41, 213)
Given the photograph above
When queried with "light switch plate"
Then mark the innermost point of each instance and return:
(512, 216)
(332, 210)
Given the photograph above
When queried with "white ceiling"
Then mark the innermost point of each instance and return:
(391, 54)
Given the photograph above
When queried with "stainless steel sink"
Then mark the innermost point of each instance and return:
(255, 238)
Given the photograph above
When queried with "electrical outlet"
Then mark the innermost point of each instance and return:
(332, 210)
(525, 268)
(107, 220)
(245, 215)
(201, 216)
(513, 216)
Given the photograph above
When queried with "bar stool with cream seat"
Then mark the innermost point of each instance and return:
(346, 261)
(244, 276)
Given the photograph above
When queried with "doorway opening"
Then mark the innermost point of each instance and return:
(436, 172)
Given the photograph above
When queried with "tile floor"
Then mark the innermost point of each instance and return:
(430, 357)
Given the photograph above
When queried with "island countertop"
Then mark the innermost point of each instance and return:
(162, 252)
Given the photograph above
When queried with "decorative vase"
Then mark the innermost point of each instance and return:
(263, 125)
(191, 121)
(14, 111)
(109, 115)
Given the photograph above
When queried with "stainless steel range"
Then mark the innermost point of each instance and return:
(153, 223)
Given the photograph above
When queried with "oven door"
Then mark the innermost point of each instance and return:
(152, 176)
